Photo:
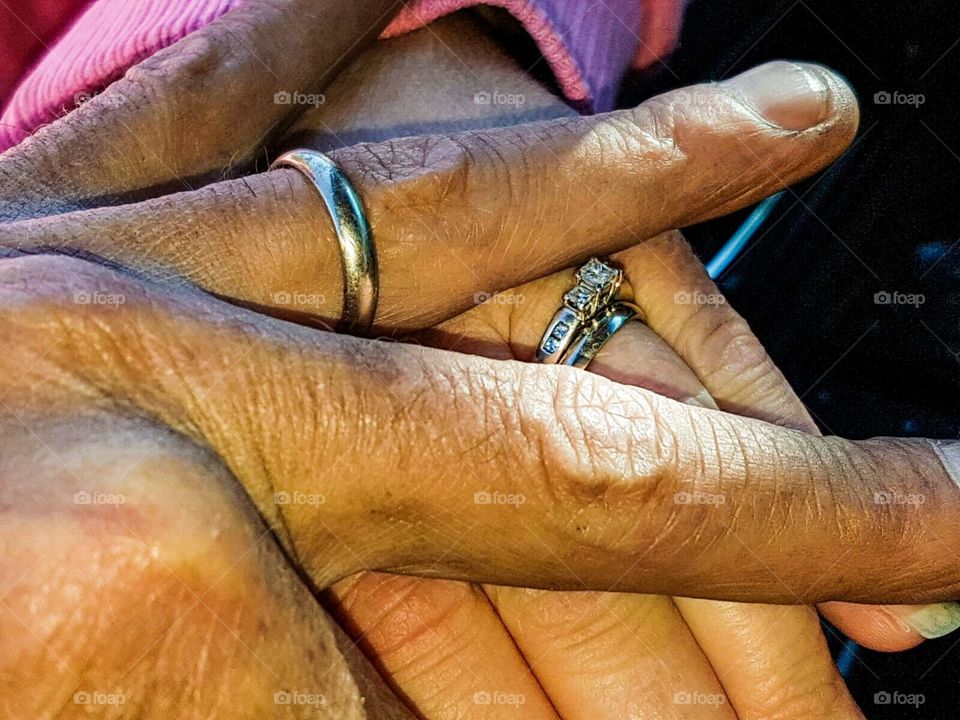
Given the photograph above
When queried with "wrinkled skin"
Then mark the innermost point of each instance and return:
(175, 401)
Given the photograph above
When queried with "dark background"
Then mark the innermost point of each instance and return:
(885, 217)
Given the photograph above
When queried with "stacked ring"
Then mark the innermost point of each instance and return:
(603, 327)
(598, 283)
(589, 316)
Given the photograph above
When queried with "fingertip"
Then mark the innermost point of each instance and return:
(792, 96)
(873, 627)
(801, 98)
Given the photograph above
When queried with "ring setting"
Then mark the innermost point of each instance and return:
(598, 283)
(589, 315)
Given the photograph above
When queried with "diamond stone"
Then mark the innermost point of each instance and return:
(596, 273)
(551, 345)
(579, 298)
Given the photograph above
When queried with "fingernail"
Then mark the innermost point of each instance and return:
(702, 399)
(931, 621)
(790, 95)
(949, 453)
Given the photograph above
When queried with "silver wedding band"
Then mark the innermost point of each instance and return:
(603, 327)
(357, 252)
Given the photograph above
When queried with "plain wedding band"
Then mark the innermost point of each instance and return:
(357, 252)
(603, 327)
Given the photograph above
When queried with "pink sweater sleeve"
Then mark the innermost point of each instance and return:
(587, 46)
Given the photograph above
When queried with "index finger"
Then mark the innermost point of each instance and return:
(414, 441)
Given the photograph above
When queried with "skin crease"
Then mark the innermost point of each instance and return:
(255, 492)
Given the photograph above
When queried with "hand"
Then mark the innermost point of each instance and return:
(270, 404)
(658, 657)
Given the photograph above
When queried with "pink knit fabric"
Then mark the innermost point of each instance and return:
(106, 39)
(587, 46)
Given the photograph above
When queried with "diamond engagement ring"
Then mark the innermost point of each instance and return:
(598, 283)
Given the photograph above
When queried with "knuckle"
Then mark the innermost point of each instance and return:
(653, 128)
(460, 190)
(39, 291)
(61, 285)
(600, 450)
(68, 320)
(185, 66)
(417, 182)
(733, 359)
(416, 620)
(120, 516)
(737, 351)
(430, 168)
(735, 367)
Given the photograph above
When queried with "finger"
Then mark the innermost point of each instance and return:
(612, 655)
(687, 308)
(586, 471)
(202, 107)
(762, 675)
(433, 640)
(635, 646)
(454, 216)
(771, 660)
